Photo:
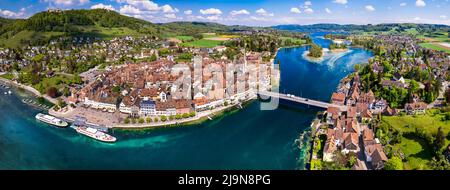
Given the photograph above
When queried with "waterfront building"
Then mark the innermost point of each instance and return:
(147, 107)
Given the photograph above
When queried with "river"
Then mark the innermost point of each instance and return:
(244, 139)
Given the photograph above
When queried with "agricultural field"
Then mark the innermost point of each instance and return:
(202, 43)
(184, 38)
(436, 46)
(293, 40)
(437, 41)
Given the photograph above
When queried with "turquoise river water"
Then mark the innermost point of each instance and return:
(244, 139)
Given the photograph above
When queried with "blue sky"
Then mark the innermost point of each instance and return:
(252, 12)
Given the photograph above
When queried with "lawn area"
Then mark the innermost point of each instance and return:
(57, 81)
(435, 47)
(184, 38)
(15, 40)
(8, 76)
(430, 122)
(109, 33)
(416, 151)
(294, 40)
(22, 37)
(202, 43)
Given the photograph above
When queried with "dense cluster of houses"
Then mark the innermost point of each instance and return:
(349, 131)
(151, 88)
(82, 49)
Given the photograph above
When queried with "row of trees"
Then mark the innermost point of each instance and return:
(162, 118)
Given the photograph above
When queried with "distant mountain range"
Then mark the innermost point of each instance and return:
(365, 28)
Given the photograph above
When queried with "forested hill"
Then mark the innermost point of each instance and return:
(43, 26)
(63, 21)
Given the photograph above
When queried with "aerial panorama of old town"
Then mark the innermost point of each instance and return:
(224, 85)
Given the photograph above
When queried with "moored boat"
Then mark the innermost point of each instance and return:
(95, 134)
(51, 120)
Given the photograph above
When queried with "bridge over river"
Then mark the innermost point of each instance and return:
(302, 100)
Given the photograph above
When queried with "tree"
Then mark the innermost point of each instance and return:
(116, 89)
(439, 164)
(149, 120)
(163, 118)
(77, 79)
(153, 57)
(127, 120)
(315, 51)
(141, 120)
(352, 161)
(439, 141)
(357, 67)
(395, 163)
(52, 92)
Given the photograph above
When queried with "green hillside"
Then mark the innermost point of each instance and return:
(106, 24)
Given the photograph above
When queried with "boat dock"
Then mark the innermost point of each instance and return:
(33, 103)
(82, 121)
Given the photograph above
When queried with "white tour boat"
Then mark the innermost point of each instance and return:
(51, 120)
(95, 134)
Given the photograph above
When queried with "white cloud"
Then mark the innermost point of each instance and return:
(211, 11)
(11, 14)
(103, 6)
(443, 16)
(128, 9)
(420, 3)
(239, 12)
(328, 10)
(200, 17)
(67, 2)
(143, 5)
(417, 18)
(402, 4)
(213, 18)
(309, 11)
(172, 16)
(263, 12)
(168, 9)
(370, 8)
(259, 18)
(188, 12)
(295, 10)
(340, 1)
(308, 3)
